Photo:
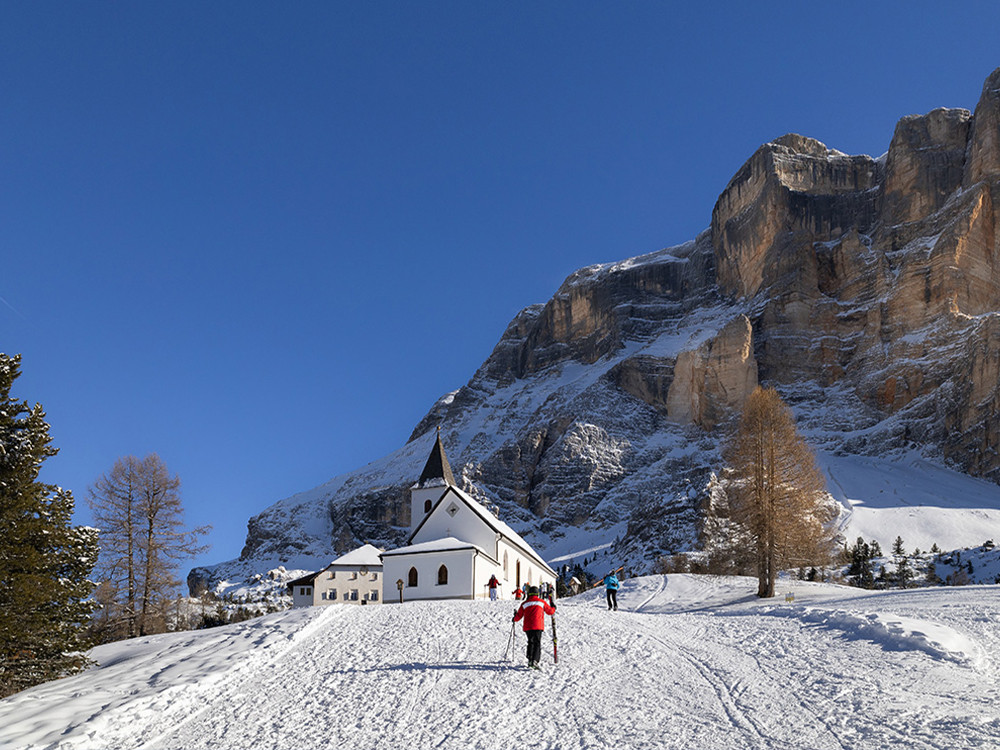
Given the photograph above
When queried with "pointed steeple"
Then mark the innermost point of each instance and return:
(437, 466)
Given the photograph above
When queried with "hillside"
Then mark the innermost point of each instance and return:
(867, 290)
(687, 662)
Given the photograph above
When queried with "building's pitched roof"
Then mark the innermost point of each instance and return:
(306, 580)
(447, 544)
(364, 555)
(437, 469)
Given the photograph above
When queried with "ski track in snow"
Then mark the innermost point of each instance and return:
(686, 662)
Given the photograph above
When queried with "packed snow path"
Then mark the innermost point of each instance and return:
(687, 662)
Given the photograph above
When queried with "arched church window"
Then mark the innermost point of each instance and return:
(505, 576)
(442, 576)
(427, 506)
(412, 578)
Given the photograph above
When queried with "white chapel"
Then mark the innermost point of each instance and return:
(456, 544)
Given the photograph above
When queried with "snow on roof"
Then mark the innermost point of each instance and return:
(446, 544)
(364, 555)
(498, 525)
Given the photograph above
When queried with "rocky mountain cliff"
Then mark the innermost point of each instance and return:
(866, 290)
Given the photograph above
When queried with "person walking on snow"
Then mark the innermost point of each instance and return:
(611, 587)
(533, 612)
(493, 584)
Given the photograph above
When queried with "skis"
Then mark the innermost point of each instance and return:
(555, 640)
(601, 582)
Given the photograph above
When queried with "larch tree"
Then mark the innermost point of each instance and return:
(137, 506)
(776, 492)
(45, 561)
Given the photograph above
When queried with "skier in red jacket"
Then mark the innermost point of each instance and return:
(533, 611)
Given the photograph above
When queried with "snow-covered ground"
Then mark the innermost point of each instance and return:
(687, 662)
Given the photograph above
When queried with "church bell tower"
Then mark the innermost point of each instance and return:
(434, 480)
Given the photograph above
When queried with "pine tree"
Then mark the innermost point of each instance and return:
(860, 572)
(44, 560)
(904, 573)
(932, 576)
(897, 547)
(776, 490)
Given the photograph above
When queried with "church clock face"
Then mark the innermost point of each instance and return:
(452, 510)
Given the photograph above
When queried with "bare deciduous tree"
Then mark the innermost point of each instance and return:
(137, 506)
(776, 492)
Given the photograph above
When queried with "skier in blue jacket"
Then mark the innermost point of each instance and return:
(611, 587)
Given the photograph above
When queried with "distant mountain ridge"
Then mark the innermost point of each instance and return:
(867, 290)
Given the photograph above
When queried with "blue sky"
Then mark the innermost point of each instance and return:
(261, 239)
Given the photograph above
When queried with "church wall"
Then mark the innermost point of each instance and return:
(460, 566)
(463, 524)
(531, 573)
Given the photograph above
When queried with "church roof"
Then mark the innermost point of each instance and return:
(437, 469)
(447, 544)
(490, 520)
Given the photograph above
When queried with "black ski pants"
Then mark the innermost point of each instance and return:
(534, 645)
(612, 599)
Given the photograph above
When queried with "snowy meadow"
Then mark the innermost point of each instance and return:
(688, 661)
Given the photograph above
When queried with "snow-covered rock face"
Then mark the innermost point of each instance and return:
(880, 276)
(867, 290)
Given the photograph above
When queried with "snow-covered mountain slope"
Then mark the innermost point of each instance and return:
(903, 495)
(866, 290)
(914, 499)
(686, 662)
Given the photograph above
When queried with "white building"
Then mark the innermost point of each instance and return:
(457, 544)
(354, 578)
